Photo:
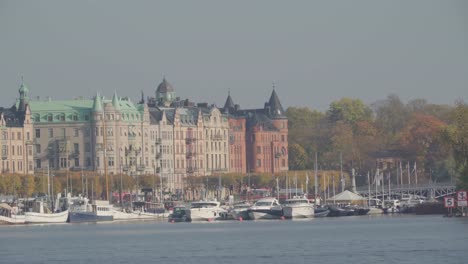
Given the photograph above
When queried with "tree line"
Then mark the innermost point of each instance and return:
(433, 136)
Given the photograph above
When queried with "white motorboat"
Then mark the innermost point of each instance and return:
(40, 213)
(141, 211)
(206, 211)
(9, 215)
(266, 208)
(82, 211)
(240, 211)
(298, 208)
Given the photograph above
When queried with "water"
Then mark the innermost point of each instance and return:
(366, 239)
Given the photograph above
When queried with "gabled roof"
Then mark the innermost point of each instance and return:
(347, 196)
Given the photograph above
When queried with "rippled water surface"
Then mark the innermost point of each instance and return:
(367, 239)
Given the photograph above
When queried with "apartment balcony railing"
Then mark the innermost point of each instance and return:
(217, 137)
(220, 170)
(189, 141)
(190, 154)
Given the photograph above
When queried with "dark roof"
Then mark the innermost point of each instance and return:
(229, 106)
(164, 87)
(275, 105)
(12, 116)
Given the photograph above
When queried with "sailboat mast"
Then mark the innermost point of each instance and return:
(315, 177)
(105, 154)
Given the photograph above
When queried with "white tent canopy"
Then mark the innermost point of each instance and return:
(347, 196)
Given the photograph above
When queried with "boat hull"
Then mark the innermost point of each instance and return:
(83, 217)
(122, 216)
(206, 214)
(265, 214)
(297, 212)
(31, 217)
(14, 220)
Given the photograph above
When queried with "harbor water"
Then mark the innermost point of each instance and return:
(354, 239)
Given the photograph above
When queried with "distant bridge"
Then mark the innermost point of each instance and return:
(428, 190)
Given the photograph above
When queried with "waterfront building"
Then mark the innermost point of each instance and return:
(99, 134)
(163, 135)
(236, 140)
(17, 136)
(266, 135)
(216, 135)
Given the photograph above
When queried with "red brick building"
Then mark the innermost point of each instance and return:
(262, 133)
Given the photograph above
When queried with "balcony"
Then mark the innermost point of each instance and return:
(190, 170)
(158, 141)
(141, 168)
(220, 170)
(190, 154)
(189, 141)
(217, 137)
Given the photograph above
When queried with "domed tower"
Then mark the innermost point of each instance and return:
(24, 96)
(165, 93)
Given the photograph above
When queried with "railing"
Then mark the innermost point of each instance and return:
(190, 140)
(217, 137)
(190, 170)
(190, 155)
(141, 168)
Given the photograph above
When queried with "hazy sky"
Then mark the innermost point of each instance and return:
(315, 51)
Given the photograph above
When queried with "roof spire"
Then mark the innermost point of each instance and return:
(142, 101)
(97, 104)
(274, 104)
(115, 101)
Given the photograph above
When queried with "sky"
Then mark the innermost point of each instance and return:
(314, 52)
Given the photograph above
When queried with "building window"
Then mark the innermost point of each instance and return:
(18, 135)
(259, 162)
(282, 138)
(64, 132)
(28, 136)
(283, 162)
(87, 147)
(50, 118)
(38, 148)
(76, 132)
(88, 162)
(75, 117)
(63, 162)
(77, 162)
(38, 133)
(62, 117)
(76, 148)
(38, 164)
(259, 150)
(51, 132)
(110, 161)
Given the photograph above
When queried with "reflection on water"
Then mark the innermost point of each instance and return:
(367, 239)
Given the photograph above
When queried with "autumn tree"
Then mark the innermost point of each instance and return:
(297, 157)
(456, 134)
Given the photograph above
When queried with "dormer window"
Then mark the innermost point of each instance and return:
(50, 118)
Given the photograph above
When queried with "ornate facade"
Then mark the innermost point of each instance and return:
(166, 136)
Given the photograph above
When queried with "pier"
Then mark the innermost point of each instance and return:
(428, 190)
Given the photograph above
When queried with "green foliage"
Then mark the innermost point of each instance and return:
(349, 110)
(297, 157)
